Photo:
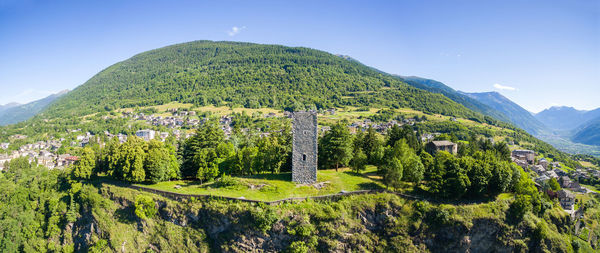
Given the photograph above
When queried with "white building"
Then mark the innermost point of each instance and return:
(146, 134)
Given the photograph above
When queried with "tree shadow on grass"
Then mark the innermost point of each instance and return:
(370, 186)
(126, 215)
(287, 176)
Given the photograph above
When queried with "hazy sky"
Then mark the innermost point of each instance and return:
(537, 53)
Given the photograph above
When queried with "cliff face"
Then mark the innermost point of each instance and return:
(377, 223)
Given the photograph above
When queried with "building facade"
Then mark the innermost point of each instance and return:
(304, 149)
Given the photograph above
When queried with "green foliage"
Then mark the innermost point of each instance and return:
(335, 147)
(32, 207)
(298, 247)
(248, 75)
(85, 165)
(145, 208)
(264, 216)
(199, 154)
(359, 161)
(554, 185)
(520, 206)
(371, 143)
(392, 171)
(160, 163)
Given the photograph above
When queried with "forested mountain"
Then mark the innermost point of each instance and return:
(515, 113)
(438, 87)
(588, 133)
(15, 113)
(565, 118)
(249, 75)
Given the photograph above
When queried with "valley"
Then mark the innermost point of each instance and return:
(212, 122)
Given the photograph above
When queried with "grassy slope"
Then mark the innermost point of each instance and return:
(278, 186)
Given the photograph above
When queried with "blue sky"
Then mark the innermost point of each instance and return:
(537, 53)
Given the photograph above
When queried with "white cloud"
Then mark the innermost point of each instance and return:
(503, 87)
(235, 30)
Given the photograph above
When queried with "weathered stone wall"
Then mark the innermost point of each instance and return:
(304, 150)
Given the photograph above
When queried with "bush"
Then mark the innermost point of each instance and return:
(264, 217)
(298, 247)
(520, 206)
(145, 207)
(229, 182)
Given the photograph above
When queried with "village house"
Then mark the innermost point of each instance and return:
(539, 169)
(146, 134)
(544, 163)
(521, 154)
(566, 198)
(565, 182)
(447, 146)
(551, 174)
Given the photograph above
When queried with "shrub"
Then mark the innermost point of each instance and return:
(264, 217)
(520, 206)
(298, 247)
(145, 207)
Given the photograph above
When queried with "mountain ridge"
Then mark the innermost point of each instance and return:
(566, 117)
(22, 112)
(257, 76)
(516, 114)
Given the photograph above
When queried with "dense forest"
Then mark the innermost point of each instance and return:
(248, 75)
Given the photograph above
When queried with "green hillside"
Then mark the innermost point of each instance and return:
(588, 133)
(515, 113)
(248, 75)
(119, 196)
(471, 103)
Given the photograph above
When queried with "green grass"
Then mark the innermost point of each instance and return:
(591, 187)
(278, 186)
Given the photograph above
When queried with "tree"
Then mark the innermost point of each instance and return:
(502, 150)
(200, 147)
(372, 146)
(554, 185)
(479, 175)
(130, 163)
(208, 164)
(520, 206)
(456, 181)
(245, 163)
(273, 152)
(157, 162)
(428, 163)
(335, 147)
(392, 172)
(84, 167)
(359, 161)
(413, 169)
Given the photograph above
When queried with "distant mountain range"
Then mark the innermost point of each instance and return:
(580, 126)
(492, 104)
(566, 118)
(516, 114)
(14, 113)
(588, 133)
(560, 126)
(438, 87)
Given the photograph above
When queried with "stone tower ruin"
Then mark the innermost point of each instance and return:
(304, 149)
